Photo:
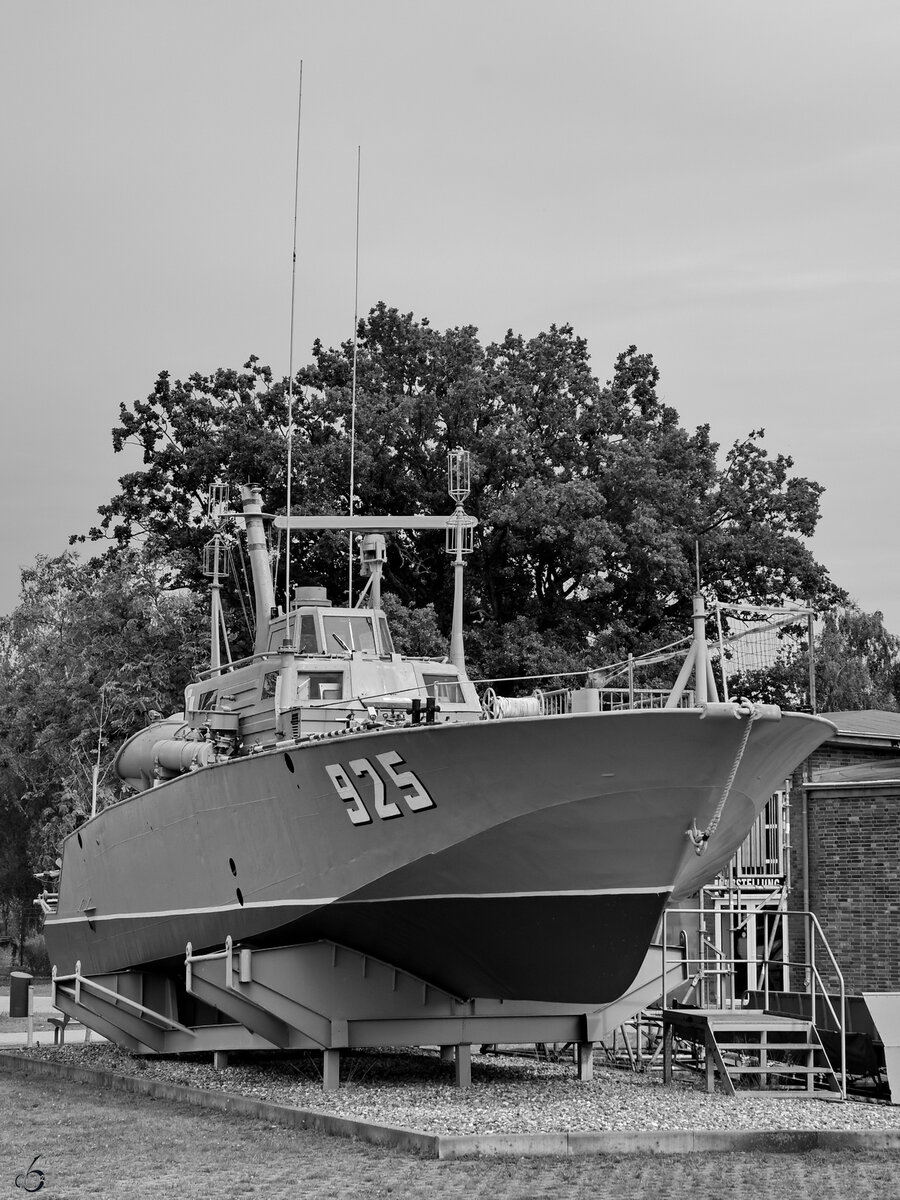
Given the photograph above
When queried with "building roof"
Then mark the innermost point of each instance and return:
(867, 722)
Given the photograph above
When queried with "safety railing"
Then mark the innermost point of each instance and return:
(609, 700)
(709, 966)
(47, 902)
(110, 996)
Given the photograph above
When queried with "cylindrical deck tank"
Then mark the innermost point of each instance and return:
(135, 763)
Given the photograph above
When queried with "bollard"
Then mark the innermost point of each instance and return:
(19, 986)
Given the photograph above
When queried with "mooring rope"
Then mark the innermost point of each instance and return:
(699, 839)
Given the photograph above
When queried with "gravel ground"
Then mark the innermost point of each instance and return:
(415, 1090)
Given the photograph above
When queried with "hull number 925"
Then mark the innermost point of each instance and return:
(389, 786)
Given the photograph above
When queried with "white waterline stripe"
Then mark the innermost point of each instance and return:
(322, 902)
(639, 891)
(191, 912)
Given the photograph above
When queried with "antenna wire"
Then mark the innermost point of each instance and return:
(290, 411)
(353, 386)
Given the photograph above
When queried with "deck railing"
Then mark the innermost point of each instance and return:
(555, 702)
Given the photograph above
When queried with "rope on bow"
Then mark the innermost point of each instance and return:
(699, 839)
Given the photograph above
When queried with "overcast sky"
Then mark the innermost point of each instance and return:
(715, 181)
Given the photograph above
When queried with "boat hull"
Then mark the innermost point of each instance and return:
(526, 859)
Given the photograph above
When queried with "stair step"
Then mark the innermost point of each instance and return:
(774, 1069)
(758, 1034)
(756, 1026)
(771, 1047)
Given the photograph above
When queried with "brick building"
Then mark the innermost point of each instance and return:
(845, 846)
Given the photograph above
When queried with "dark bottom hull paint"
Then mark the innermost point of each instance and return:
(547, 948)
(589, 947)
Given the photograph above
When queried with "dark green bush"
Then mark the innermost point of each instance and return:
(35, 959)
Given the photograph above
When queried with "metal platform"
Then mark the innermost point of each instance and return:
(746, 1044)
(327, 997)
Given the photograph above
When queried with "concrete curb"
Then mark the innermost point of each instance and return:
(453, 1146)
(666, 1141)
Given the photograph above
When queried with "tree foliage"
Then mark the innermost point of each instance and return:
(857, 662)
(88, 653)
(856, 666)
(18, 886)
(590, 498)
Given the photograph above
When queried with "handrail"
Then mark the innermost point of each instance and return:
(723, 966)
(85, 981)
(842, 1021)
(47, 902)
(190, 958)
(553, 702)
(227, 668)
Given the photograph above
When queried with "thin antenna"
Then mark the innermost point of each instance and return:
(697, 562)
(353, 386)
(290, 412)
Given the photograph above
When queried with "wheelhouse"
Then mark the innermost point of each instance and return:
(337, 670)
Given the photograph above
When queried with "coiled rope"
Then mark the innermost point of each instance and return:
(499, 707)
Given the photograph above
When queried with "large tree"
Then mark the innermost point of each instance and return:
(18, 886)
(590, 497)
(88, 654)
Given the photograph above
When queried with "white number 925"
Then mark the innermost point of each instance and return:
(405, 784)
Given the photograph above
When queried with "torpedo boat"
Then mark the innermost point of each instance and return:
(328, 790)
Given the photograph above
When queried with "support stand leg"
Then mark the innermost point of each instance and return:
(585, 1061)
(763, 1058)
(463, 1066)
(331, 1070)
(220, 1060)
(668, 1039)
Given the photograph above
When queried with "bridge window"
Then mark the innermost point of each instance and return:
(387, 646)
(355, 631)
(323, 685)
(309, 640)
(443, 687)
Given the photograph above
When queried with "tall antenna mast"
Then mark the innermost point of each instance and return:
(290, 412)
(353, 386)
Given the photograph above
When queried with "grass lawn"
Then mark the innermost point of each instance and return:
(95, 1143)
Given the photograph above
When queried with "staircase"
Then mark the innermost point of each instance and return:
(746, 1045)
(772, 1045)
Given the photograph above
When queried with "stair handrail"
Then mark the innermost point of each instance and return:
(813, 977)
(226, 954)
(840, 1021)
(86, 983)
